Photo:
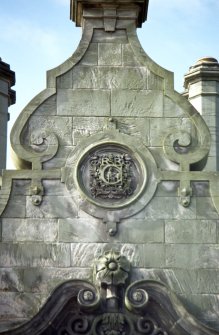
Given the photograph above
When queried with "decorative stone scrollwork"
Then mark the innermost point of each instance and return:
(78, 307)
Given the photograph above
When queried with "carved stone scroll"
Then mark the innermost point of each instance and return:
(109, 307)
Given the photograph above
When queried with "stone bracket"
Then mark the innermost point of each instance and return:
(186, 177)
(185, 192)
(36, 189)
(111, 227)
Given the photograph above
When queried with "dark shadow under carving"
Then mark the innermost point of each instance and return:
(109, 308)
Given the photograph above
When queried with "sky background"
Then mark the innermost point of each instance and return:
(37, 35)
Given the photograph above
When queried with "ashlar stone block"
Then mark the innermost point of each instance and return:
(109, 54)
(81, 230)
(52, 207)
(206, 209)
(128, 56)
(134, 126)
(130, 231)
(168, 208)
(34, 254)
(84, 102)
(108, 77)
(137, 103)
(91, 55)
(192, 256)
(191, 231)
(29, 230)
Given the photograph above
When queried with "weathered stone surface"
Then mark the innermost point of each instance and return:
(171, 109)
(48, 108)
(91, 55)
(205, 209)
(54, 188)
(34, 254)
(155, 82)
(81, 230)
(65, 81)
(132, 230)
(59, 159)
(61, 126)
(11, 280)
(118, 36)
(45, 279)
(83, 102)
(154, 255)
(128, 57)
(109, 54)
(18, 305)
(192, 256)
(21, 187)
(137, 103)
(86, 126)
(200, 189)
(159, 128)
(84, 254)
(191, 231)
(106, 77)
(15, 208)
(162, 162)
(136, 127)
(29, 230)
(169, 188)
(167, 208)
(52, 207)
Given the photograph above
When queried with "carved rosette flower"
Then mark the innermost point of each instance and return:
(112, 268)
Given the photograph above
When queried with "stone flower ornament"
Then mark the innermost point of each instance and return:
(112, 269)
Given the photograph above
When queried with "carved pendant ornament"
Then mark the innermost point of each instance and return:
(110, 307)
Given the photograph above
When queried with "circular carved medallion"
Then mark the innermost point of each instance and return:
(111, 175)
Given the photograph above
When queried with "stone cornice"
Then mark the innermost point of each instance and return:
(7, 74)
(77, 7)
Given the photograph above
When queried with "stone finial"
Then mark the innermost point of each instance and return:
(77, 7)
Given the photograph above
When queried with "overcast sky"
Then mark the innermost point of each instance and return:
(37, 35)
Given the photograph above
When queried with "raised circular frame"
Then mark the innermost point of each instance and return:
(144, 164)
(113, 190)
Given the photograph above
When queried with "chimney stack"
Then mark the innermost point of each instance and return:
(7, 98)
(202, 90)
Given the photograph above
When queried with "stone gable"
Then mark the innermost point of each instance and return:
(110, 157)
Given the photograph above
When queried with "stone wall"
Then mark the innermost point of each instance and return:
(109, 93)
